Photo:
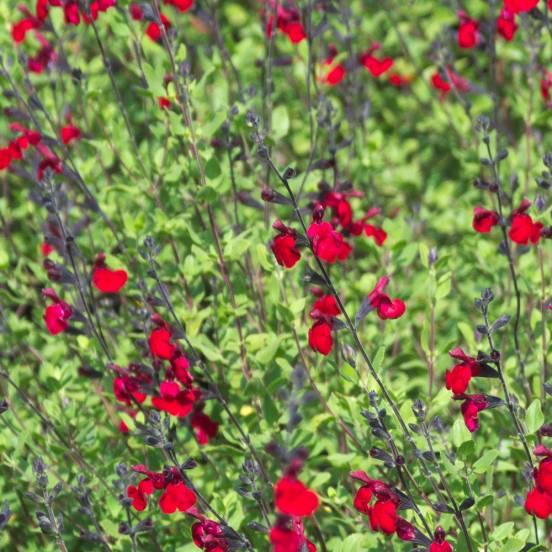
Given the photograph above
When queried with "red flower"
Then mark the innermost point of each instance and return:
(440, 544)
(45, 56)
(205, 428)
(70, 133)
(164, 102)
(46, 248)
(289, 536)
(362, 499)
(154, 30)
(399, 81)
(295, 32)
(471, 407)
(335, 75)
(181, 368)
(174, 400)
(523, 230)
(139, 494)
(468, 32)
(447, 82)
(484, 220)
(181, 5)
(328, 244)
(341, 208)
(52, 163)
(458, 379)
(405, 531)
(126, 389)
(519, 6)
(105, 279)
(506, 25)
(209, 536)
(379, 234)
(376, 66)
(42, 9)
(387, 308)
(136, 12)
(543, 475)
(539, 503)
(383, 517)
(284, 245)
(57, 314)
(176, 497)
(5, 158)
(294, 499)
(288, 21)
(320, 337)
(21, 28)
(160, 343)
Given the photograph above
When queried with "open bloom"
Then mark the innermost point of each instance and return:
(284, 245)
(175, 400)
(472, 406)
(447, 81)
(524, 230)
(539, 500)
(292, 498)
(57, 314)
(334, 72)
(209, 536)
(105, 279)
(327, 243)
(160, 340)
(70, 133)
(288, 21)
(520, 6)
(205, 428)
(320, 334)
(484, 220)
(386, 307)
(439, 543)
(458, 378)
(175, 496)
(376, 66)
(289, 536)
(468, 32)
(506, 25)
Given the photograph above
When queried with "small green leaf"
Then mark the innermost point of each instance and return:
(534, 418)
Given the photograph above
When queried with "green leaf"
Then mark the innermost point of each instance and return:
(534, 418)
(483, 464)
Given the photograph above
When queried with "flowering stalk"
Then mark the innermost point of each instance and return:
(495, 356)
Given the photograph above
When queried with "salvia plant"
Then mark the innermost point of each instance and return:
(275, 275)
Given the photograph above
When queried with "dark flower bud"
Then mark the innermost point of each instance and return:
(289, 173)
(4, 405)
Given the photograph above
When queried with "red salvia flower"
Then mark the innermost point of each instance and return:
(288, 21)
(520, 6)
(181, 368)
(524, 230)
(539, 503)
(43, 59)
(506, 25)
(5, 158)
(105, 279)
(42, 8)
(376, 66)
(70, 133)
(471, 407)
(327, 243)
(458, 379)
(205, 428)
(164, 102)
(545, 87)
(383, 517)
(399, 81)
(447, 82)
(379, 234)
(176, 497)
(56, 316)
(405, 530)
(320, 334)
(136, 12)
(292, 498)
(126, 389)
(181, 5)
(46, 248)
(289, 536)
(21, 28)
(139, 494)
(484, 220)
(386, 307)
(335, 75)
(468, 32)
(174, 400)
(154, 30)
(439, 543)
(284, 245)
(208, 535)
(160, 342)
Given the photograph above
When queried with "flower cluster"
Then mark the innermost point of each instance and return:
(522, 228)
(288, 21)
(144, 12)
(175, 496)
(294, 501)
(458, 379)
(382, 512)
(539, 500)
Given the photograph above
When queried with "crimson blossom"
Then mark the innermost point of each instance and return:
(382, 512)
(458, 378)
(375, 66)
(520, 6)
(506, 25)
(288, 535)
(57, 314)
(208, 535)
(468, 31)
(176, 495)
(320, 334)
(473, 405)
(386, 307)
(288, 21)
(105, 279)
(327, 243)
(439, 543)
(539, 499)
(484, 220)
(284, 245)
